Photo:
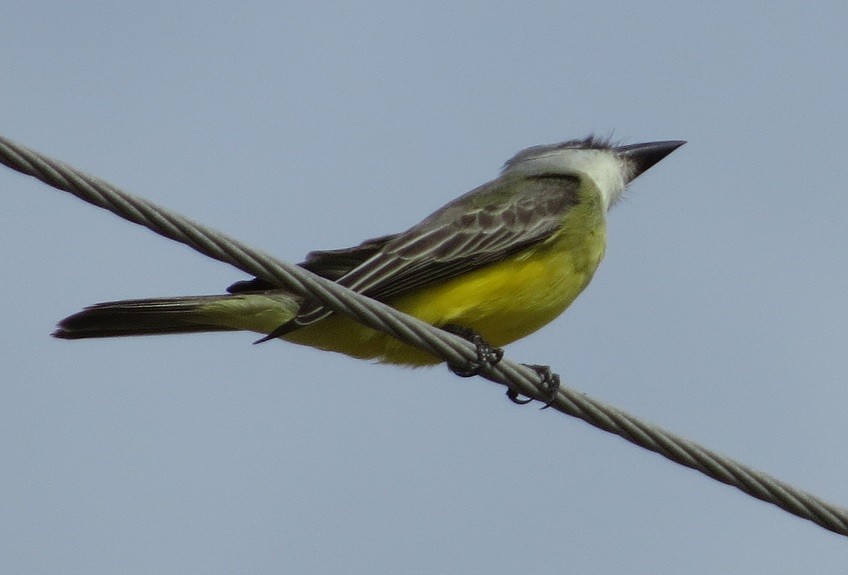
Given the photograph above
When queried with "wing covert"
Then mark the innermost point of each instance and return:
(482, 227)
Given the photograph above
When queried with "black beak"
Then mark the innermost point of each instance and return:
(643, 156)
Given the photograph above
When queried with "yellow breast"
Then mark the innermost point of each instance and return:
(503, 302)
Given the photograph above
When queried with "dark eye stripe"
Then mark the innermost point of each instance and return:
(555, 176)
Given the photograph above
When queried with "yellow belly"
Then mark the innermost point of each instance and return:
(503, 302)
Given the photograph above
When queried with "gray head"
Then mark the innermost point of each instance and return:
(610, 167)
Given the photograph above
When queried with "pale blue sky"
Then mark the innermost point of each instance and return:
(720, 312)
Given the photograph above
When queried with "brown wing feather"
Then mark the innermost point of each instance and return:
(461, 237)
(330, 264)
(479, 228)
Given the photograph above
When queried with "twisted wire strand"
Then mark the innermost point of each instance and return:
(440, 343)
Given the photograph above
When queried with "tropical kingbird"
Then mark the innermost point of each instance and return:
(500, 261)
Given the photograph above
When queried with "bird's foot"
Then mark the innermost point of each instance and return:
(550, 383)
(487, 355)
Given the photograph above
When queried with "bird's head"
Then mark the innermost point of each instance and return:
(610, 167)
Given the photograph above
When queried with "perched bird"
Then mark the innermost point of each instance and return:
(494, 265)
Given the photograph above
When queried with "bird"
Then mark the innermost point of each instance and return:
(494, 265)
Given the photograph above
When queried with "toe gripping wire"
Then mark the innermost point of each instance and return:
(488, 356)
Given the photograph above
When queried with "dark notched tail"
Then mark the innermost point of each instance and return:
(139, 317)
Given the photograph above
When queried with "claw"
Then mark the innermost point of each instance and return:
(512, 395)
(550, 382)
(487, 355)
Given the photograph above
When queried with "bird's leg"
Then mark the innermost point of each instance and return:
(487, 355)
(550, 383)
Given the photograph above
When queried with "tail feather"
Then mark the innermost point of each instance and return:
(190, 314)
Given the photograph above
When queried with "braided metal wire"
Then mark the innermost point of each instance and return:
(440, 343)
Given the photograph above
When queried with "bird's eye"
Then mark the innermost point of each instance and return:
(557, 176)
